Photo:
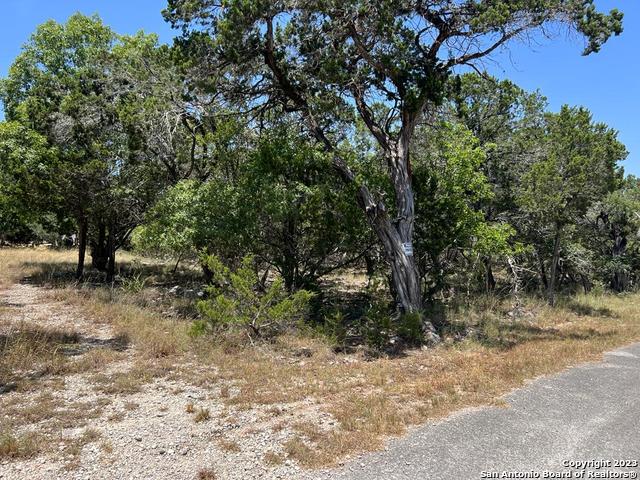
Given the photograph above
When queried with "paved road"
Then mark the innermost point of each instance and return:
(586, 413)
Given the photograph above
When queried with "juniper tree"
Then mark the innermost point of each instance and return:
(329, 61)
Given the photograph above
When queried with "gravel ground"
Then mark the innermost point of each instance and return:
(144, 435)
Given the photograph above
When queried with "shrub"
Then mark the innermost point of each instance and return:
(384, 331)
(235, 301)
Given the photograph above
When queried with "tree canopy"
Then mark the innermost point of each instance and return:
(279, 145)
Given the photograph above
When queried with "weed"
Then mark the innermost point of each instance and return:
(273, 459)
(207, 474)
(229, 446)
(201, 415)
(134, 284)
(22, 446)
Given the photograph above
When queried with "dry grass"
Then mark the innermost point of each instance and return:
(273, 459)
(363, 400)
(51, 414)
(230, 446)
(19, 447)
(207, 474)
(73, 447)
(29, 352)
(201, 415)
(106, 447)
(369, 400)
(121, 383)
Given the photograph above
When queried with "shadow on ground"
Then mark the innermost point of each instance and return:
(34, 352)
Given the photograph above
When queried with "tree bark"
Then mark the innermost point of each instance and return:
(397, 236)
(551, 292)
(111, 250)
(489, 280)
(82, 247)
(99, 249)
(207, 273)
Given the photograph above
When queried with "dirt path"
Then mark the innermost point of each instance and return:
(104, 424)
(31, 306)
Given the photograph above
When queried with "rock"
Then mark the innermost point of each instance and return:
(8, 387)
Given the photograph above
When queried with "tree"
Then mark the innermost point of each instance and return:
(27, 165)
(235, 302)
(508, 122)
(613, 225)
(323, 60)
(104, 101)
(579, 167)
(279, 205)
(55, 87)
(306, 225)
(449, 184)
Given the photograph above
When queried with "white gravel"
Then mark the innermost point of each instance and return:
(156, 440)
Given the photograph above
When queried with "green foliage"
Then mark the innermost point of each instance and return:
(267, 136)
(334, 328)
(579, 165)
(236, 301)
(134, 283)
(610, 232)
(496, 239)
(448, 185)
(192, 217)
(27, 166)
(339, 64)
(83, 88)
(276, 206)
(384, 331)
(289, 183)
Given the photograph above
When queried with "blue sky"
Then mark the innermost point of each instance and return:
(607, 83)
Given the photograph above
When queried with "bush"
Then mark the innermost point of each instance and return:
(235, 301)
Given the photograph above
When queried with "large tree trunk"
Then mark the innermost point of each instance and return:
(82, 247)
(397, 237)
(551, 291)
(111, 249)
(99, 249)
